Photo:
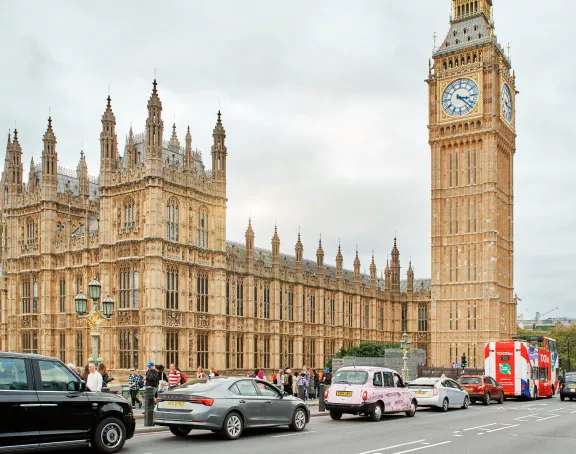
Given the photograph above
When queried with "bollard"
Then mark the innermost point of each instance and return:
(301, 391)
(148, 406)
(321, 404)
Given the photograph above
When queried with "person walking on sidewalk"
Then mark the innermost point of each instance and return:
(288, 382)
(134, 382)
(152, 377)
(174, 377)
(94, 380)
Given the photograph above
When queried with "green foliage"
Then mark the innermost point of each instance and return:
(364, 350)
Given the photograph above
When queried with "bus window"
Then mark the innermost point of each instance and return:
(535, 373)
(543, 374)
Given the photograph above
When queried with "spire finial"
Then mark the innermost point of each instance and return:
(219, 116)
(434, 38)
(155, 84)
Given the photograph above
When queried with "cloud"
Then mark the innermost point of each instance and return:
(325, 108)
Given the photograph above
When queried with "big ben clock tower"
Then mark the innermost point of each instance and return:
(473, 141)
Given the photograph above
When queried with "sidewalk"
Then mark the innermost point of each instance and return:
(140, 428)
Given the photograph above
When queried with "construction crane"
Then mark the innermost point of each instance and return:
(539, 316)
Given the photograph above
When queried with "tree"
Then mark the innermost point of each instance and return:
(561, 334)
(364, 350)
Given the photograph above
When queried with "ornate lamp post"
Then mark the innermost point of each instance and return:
(405, 345)
(96, 317)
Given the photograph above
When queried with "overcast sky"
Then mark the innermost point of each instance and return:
(325, 108)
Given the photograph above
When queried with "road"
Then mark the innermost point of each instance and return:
(543, 426)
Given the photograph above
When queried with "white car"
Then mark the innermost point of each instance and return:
(443, 393)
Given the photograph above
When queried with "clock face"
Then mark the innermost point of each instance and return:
(460, 97)
(507, 109)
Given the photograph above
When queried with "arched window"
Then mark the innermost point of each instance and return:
(30, 231)
(442, 131)
(129, 212)
(445, 65)
(202, 228)
(172, 220)
(172, 289)
(479, 124)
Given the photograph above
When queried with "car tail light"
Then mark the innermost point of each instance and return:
(364, 395)
(200, 400)
(326, 395)
(435, 391)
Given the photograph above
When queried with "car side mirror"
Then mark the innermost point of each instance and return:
(499, 384)
(75, 386)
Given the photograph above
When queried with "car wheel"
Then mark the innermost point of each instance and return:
(501, 400)
(298, 420)
(335, 415)
(180, 431)
(109, 436)
(562, 398)
(445, 405)
(233, 426)
(376, 414)
(466, 403)
(412, 412)
(487, 399)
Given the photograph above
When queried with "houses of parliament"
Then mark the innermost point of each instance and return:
(152, 229)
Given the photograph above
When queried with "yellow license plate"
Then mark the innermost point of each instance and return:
(421, 393)
(344, 393)
(175, 404)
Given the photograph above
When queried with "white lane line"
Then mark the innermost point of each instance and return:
(527, 416)
(502, 428)
(549, 417)
(479, 427)
(292, 435)
(424, 447)
(573, 412)
(392, 447)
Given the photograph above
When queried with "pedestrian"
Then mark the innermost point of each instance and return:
(327, 378)
(86, 372)
(316, 384)
(174, 377)
(254, 374)
(261, 375)
(105, 379)
(153, 377)
(134, 384)
(71, 366)
(183, 377)
(163, 383)
(94, 380)
(288, 382)
(279, 382)
(213, 373)
(302, 385)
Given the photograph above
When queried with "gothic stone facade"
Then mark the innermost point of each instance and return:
(152, 230)
(473, 142)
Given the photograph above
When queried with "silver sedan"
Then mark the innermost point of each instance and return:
(443, 393)
(228, 405)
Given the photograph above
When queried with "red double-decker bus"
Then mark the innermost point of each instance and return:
(526, 366)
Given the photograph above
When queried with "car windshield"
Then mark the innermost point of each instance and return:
(351, 377)
(470, 381)
(570, 379)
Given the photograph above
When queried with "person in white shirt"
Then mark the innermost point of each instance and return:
(94, 381)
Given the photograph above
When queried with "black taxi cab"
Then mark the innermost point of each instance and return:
(43, 404)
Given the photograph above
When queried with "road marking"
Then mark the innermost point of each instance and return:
(291, 435)
(549, 417)
(479, 427)
(527, 416)
(424, 447)
(392, 447)
(502, 428)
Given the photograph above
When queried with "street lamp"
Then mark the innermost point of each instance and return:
(405, 345)
(96, 317)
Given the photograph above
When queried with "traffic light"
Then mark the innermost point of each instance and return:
(464, 362)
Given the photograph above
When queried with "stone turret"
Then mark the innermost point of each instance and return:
(108, 145)
(299, 248)
(49, 163)
(410, 279)
(339, 263)
(357, 268)
(188, 156)
(219, 151)
(154, 133)
(373, 273)
(276, 250)
(395, 268)
(82, 175)
(320, 261)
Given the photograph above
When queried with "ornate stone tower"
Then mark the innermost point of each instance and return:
(473, 141)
